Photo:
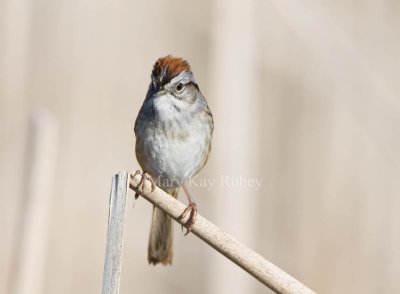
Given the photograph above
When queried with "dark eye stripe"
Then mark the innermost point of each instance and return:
(178, 93)
(194, 84)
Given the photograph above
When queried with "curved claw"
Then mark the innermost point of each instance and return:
(153, 186)
(145, 176)
(138, 172)
(192, 210)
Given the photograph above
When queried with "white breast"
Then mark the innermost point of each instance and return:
(177, 148)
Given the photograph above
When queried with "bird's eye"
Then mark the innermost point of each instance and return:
(179, 87)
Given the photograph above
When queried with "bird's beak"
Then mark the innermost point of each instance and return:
(159, 93)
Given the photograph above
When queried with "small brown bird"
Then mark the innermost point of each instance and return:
(173, 141)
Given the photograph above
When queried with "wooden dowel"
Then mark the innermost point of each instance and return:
(263, 270)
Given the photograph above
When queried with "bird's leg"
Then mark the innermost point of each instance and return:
(145, 176)
(191, 209)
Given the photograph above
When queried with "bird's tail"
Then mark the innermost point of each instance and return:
(160, 240)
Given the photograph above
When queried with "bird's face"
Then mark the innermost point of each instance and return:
(173, 89)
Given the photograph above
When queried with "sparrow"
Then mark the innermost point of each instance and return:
(173, 142)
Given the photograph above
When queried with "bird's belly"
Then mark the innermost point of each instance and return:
(174, 161)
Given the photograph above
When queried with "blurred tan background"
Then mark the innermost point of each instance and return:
(305, 97)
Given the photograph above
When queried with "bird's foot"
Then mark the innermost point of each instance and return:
(192, 211)
(145, 176)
